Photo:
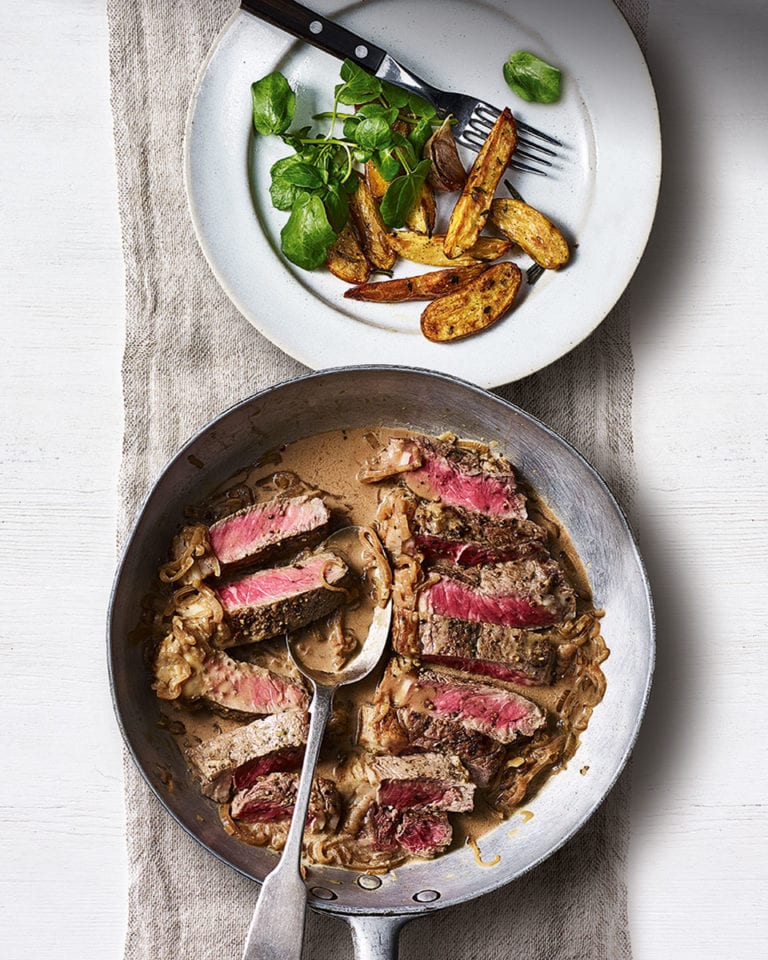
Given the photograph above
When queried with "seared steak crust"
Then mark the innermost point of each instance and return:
(276, 601)
(235, 758)
(532, 593)
(507, 653)
(455, 523)
(273, 798)
(401, 729)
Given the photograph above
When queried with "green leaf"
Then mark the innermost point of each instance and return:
(373, 133)
(274, 104)
(304, 175)
(336, 207)
(387, 163)
(402, 195)
(371, 110)
(350, 126)
(419, 106)
(283, 191)
(395, 96)
(405, 148)
(419, 135)
(359, 86)
(307, 235)
(532, 78)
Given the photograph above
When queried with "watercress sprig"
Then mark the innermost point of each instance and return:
(389, 127)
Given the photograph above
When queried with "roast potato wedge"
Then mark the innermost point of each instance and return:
(474, 307)
(370, 227)
(474, 203)
(422, 216)
(377, 184)
(531, 231)
(346, 259)
(426, 286)
(421, 248)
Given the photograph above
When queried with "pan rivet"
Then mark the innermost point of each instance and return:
(322, 893)
(367, 882)
(426, 896)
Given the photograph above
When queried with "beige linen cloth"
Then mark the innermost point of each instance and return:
(188, 355)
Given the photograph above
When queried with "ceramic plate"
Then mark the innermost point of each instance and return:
(602, 192)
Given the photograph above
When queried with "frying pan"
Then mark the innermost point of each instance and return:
(377, 907)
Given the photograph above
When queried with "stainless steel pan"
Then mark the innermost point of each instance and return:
(377, 908)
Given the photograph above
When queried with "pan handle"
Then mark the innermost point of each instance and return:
(376, 938)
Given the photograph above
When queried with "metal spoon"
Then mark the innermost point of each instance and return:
(277, 927)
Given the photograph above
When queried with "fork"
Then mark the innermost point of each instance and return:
(474, 118)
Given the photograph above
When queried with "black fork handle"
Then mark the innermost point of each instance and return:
(320, 32)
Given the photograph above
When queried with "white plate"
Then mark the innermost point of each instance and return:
(603, 194)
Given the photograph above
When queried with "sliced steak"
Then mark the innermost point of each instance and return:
(235, 760)
(487, 649)
(472, 554)
(438, 470)
(421, 833)
(453, 523)
(269, 530)
(495, 712)
(404, 729)
(281, 599)
(424, 834)
(273, 798)
(247, 687)
(432, 781)
(531, 593)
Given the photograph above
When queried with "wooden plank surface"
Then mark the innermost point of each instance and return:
(699, 305)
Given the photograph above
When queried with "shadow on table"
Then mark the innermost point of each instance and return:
(732, 38)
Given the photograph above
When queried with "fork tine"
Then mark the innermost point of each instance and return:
(473, 139)
(517, 165)
(538, 133)
(484, 116)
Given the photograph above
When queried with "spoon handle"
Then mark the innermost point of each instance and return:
(277, 927)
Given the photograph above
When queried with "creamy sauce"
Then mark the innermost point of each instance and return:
(329, 463)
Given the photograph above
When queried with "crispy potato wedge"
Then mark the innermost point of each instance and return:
(422, 217)
(474, 307)
(531, 230)
(378, 185)
(370, 227)
(420, 248)
(474, 203)
(346, 259)
(427, 286)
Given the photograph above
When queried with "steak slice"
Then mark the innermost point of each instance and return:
(430, 781)
(273, 797)
(268, 530)
(438, 470)
(404, 729)
(495, 712)
(275, 601)
(424, 834)
(245, 687)
(531, 593)
(453, 523)
(235, 760)
(472, 554)
(487, 649)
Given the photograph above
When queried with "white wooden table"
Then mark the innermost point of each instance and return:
(700, 330)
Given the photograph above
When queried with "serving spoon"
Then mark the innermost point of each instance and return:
(277, 927)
